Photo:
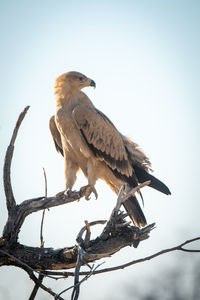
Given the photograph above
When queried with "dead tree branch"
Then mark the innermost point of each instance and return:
(116, 234)
(10, 200)
(20, 212)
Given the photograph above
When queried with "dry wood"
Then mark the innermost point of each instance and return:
(10, 200)
(116, 234)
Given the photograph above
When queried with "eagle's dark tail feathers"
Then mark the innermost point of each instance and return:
(132, 206)
(143, 176)
(135, 212)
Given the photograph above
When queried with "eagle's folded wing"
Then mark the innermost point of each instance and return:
(103, 138)
(55, 135)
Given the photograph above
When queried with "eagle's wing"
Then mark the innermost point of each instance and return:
(103, 138)
(108, 145)
(55, 134)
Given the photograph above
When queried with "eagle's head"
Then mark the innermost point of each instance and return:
(71, 83)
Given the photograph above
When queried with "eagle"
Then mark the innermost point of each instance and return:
(90, 142)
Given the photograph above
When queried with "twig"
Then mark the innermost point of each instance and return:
(88, 274)
(117, 218)
(81, 256)
(45, 181)
(136, 189)
(80, 261)
(87, 235)
(41, 230)
(10, 200)
(188, 242)
(43, 213)
(40, 277)
(125, 193)
(36, 287)
(121, 198)
(42, 286)
(79, 238)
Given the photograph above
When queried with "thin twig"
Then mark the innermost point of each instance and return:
(43, 213)
(79, 238)
(125, 193)
(36, 287)
(88, 274)
(41, 230)
(87, 235)
(40, 277)
(136, 189)
(42, 286)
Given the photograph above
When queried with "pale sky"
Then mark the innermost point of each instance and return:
(145, 59)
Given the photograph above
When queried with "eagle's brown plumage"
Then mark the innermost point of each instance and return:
(89, 141)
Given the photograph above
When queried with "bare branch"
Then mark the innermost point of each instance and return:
(128, 193)
(80, 262)
(125, 192)
(88, 275)
(42, 286)
(36, 287)
(189, 242)
(27, 207)
(10, 200)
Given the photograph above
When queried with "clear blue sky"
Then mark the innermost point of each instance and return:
(145, 59)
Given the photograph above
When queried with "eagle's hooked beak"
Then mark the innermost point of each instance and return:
(92, 83)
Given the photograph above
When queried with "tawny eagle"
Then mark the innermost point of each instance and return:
(89, 141)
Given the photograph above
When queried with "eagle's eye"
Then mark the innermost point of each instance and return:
(81, 79)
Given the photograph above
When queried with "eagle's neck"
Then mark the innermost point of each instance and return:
(64, 96)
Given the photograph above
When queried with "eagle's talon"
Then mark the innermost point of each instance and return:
(60, 193)
(65, 192)
(89, 190)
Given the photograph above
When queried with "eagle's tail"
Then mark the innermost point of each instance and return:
(135, 212)
(155, 183)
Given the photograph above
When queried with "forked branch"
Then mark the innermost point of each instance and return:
(116, 234)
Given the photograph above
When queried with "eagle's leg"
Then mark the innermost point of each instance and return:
(91, 173)
(71, 170)
(89, 190)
